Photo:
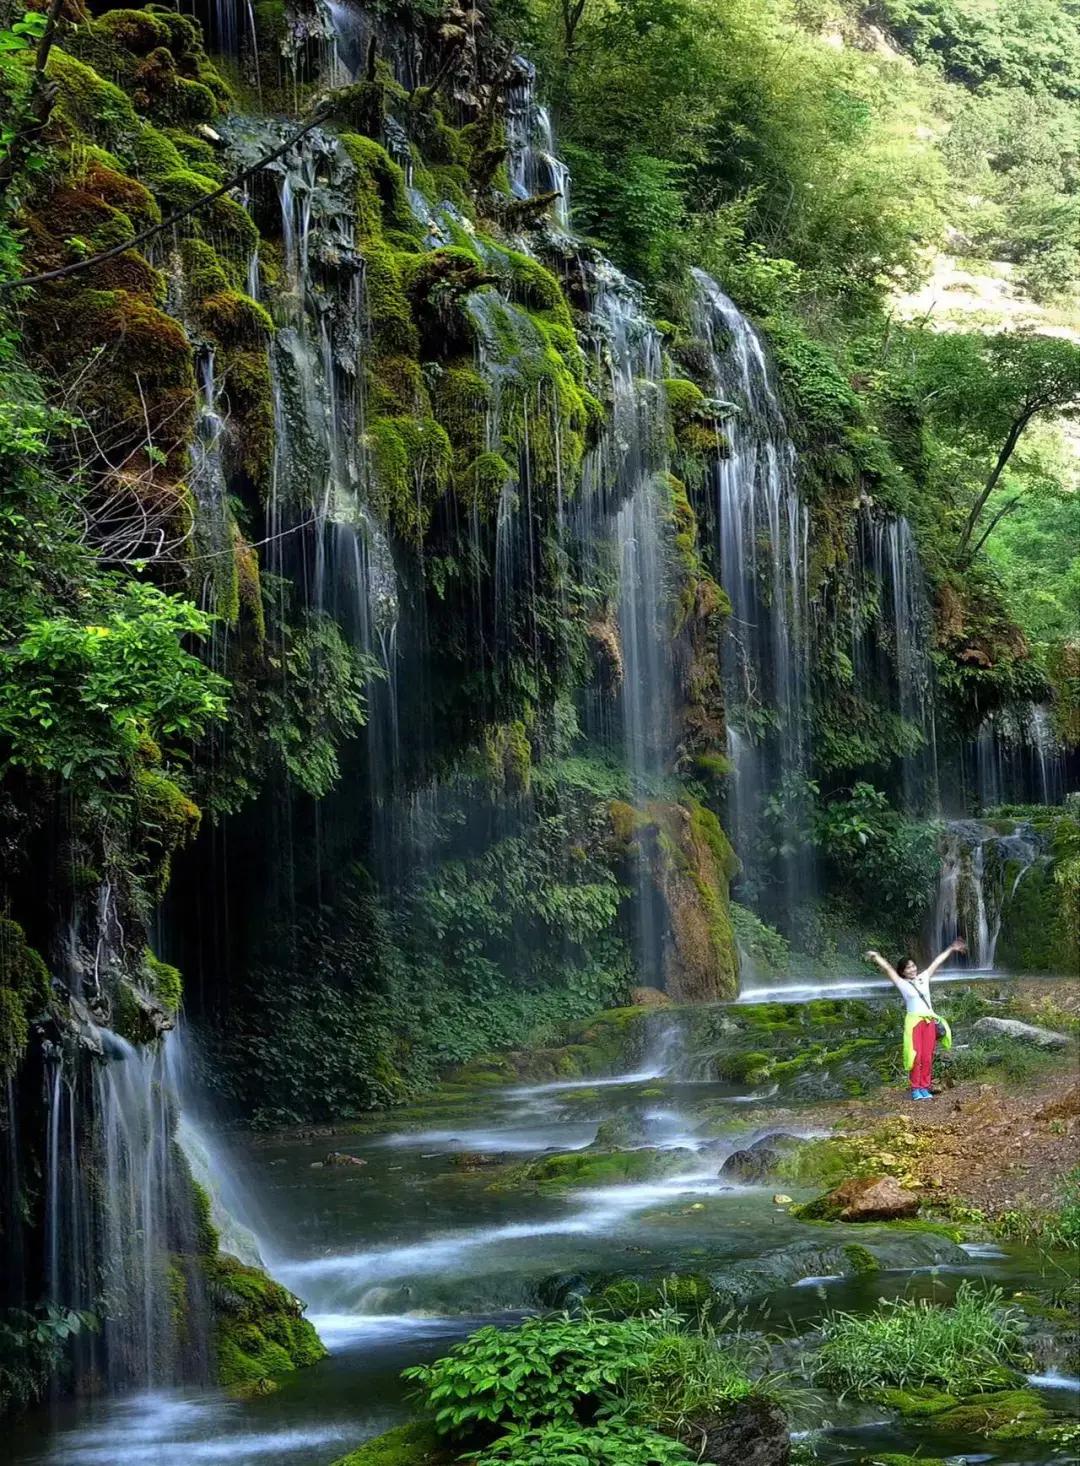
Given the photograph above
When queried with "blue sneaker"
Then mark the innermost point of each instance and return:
(921, 1094)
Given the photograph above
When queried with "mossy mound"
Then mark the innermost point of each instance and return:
(691, 862)
(1004, 1415)
(25, 990)
(415, 1444)
(259, 1327)
(592, 1168)
(689, 1294)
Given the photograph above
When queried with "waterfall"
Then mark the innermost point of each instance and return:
(761, 534)
(120, 1229)
(534, 166)
(981, 869)
(891, 650)
(1016, 758)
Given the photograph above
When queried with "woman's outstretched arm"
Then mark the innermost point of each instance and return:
(958, 946)
(887, 968)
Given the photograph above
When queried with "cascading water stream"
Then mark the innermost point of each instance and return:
(128, 1239)
(980, 872)
(761, 531)
(891, 651)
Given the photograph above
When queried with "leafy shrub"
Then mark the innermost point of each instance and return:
(545, 1369)
(77, 699)
(545, 1379)
(31, 1348)
(609, 1443)
(912, 1342)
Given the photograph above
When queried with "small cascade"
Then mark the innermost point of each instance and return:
(209, 485)
(1016, 758)
(892, 649)
(120, 1229)
(761, 531)
(981, 869)
(534, 167)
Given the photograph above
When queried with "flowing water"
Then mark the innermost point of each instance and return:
(761, 531)
(400, 1257)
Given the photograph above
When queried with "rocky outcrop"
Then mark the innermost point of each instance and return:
(1026, 1033)
(691, 863)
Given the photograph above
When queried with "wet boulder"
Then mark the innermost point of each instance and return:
(760, 1161)
(863, 1199)
(752, 1432)
(343, 1158)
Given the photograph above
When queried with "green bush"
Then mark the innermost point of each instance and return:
(608, 1443)
(908, 1343)
(546, 1369)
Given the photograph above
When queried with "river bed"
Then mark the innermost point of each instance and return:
(403, 1255)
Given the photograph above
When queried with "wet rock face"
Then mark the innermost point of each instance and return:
(751, 1433)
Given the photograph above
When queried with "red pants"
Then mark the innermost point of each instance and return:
(924, 1037)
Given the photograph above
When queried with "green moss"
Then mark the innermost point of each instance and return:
(246, 383)
(481, 484)
(206, 1234)
(862, 1260)
(25, 992)
(259, 1327)
(167, 818)
(382, 200)
(590, 1168)
(411, 460)
(687, 1293)
(1005, 1415)
(415, 1444)
(163, 982)
(234, 319)
(224, 223)
(508, 755)
(918, 1404)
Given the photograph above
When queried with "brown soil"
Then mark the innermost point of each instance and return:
(992, 1149)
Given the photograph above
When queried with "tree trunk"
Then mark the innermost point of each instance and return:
(1007, 450)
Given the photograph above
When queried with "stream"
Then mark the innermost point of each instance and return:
(400, 1257)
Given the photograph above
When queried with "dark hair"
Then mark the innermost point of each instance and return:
(903, 962)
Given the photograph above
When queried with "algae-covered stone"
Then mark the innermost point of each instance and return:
(593, 1168)
(415, 1444)
(1004, 1415)
(259, 1327)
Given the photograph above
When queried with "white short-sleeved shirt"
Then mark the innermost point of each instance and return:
(916, 995)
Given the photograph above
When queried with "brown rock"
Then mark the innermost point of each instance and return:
(752, 1432)
(342, 1158)
(871, 1199)
(649, 998)
(474, 1160)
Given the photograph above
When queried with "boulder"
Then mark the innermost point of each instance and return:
(864, 1199)
(752, 1432)
(343, 1158)
(750, 1165)
(761, 1160)
(1028, 1033)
